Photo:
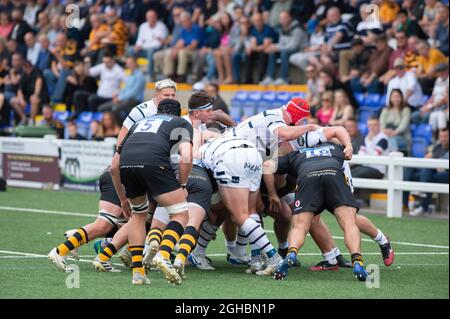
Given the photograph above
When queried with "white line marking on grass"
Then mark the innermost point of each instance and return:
(54, 212)
(44, 256)
(319, 254)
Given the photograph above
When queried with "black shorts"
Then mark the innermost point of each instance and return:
(150, 180)
(199, 188)
(323, 189)
(107, 190)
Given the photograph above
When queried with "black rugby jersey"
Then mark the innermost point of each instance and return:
(150, 140)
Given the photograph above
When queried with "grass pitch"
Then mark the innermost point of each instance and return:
(33, 222)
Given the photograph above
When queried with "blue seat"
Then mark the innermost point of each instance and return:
(61, 116)
(239, 99)
(371, 100)
(254, 99)
(423, 131)
(298, 94)
(236, 113)
(97, 116)
(364, 113)
(85, 117)
(419, 147)
(383, 100)
(359, 97)
(268, 101)
(362, 127)
(283, 97)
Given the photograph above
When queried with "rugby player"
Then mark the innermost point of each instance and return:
(142, 164)
(321, 185)
(109, 219)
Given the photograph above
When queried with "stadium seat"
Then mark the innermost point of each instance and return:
(423, 131)
(372, 100)
(383, 100)
(362, 127)
(359, 97)
(85, 118)
(61, 116)
(235, 113)
(238, 99)
(97, 116)
(268, 101)
(283, 97)
(364, 113)
(419, 147)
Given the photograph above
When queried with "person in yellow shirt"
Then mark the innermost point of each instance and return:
(388, 11)
(98, 32)
(429, 58)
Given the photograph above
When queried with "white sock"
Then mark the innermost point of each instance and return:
(253, 247)
(337, 252)
(205, 235)
(331, 257)
(240, 248)
(380, 239)
(283, 245)
(257, 236)
(230, 245)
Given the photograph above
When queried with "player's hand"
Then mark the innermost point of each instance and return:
(348, 152)
(126, 208)
(274, 203)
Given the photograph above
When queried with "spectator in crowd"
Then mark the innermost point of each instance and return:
(275, 11)
(367, 29)
(32, 91)
(43, 25)
(218, 103)
(343, 110)
(99, 30)
(145, 5)
(54, 7)
(55, 28)
(184, 49)
(440, 34)
(49, 121)
(351, 125)
(407, 83)
(326, 111)
(4, 54)
(79, 83)
(95, 131)
(399, 52)
(388, 11)
(205, 56)
(428, 60)
(240, 47)
(132, 92)
(376, 144)
(20, 27)
(72, 131)
(328, 82)
(302, 59)
(433, 112)
(6, 25)
(33, 48)
(109, 125)
(30, 13)
(429, 17)
(312, 83)
(110, 75)
(395, 121)
(428, 175)
(353, 63)
(117, 35)
(44, 55)
(408, 25)
(11, 80)
(377, 65)
(338, 36)
(414, 8)
(64, 54)
(291, 38)
(222, 54)
(262, 36)
(150, 38)
(411, 57)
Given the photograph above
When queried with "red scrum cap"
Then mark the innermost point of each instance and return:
(297, 109)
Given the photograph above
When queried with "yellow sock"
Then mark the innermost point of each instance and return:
(73, 242)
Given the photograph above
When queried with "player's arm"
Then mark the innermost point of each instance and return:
(289, 133)
(185, 165)
(122, 133)
(269, 169)
(115, 174)
(223, 118)
(342, 135)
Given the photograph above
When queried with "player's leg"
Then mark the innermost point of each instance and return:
(368, 228)
(301, 224)
(323, 238)
(154, 235)
(175, 204)
(346, 217)
(189, 238)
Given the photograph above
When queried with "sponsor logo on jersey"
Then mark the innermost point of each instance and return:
(252, 167)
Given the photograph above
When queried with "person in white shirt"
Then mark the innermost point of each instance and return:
(407, 83)
(33, 47)
(376, 144)
(150, 38)
(111, 75)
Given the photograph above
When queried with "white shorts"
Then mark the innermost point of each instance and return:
(240, 168)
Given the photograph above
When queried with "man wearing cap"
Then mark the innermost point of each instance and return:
(407, 83)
